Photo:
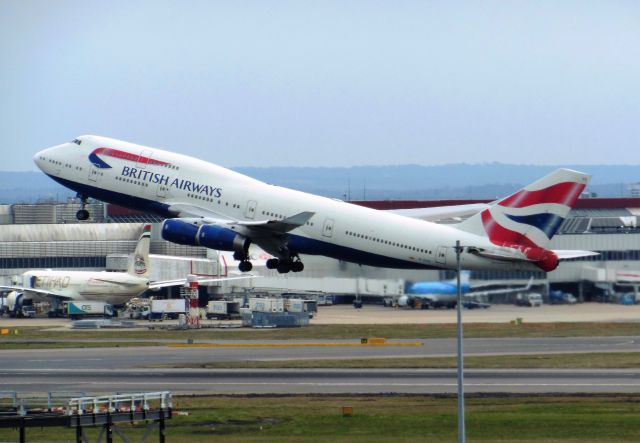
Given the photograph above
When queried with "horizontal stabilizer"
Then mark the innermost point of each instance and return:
(184, 281)
(441, 213)
(566, 254)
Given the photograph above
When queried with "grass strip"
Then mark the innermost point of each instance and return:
(60, 345)
(396, 418)
(412, 331)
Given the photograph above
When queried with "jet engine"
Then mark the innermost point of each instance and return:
(403, 301)
(178, 231)
(15, 301)
(222, 239)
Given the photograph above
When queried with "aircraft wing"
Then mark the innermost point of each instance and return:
(184, 210)
(442, 213)
(184, 281)
(501, 291)
(278, 226)
(34, 290)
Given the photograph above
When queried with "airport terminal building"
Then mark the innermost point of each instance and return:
(43, 236)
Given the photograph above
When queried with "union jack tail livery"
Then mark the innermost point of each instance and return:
(528, 219)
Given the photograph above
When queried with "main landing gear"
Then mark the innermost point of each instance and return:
(283, 266)
(244, 265)
(82, 213)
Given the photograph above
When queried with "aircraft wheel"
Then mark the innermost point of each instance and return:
(283, 267)
(82, 215)
(297, 266)
(272, 263)
(245, 266)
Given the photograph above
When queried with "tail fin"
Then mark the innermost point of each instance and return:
(139, 266)
(465, 277)
(531, 216)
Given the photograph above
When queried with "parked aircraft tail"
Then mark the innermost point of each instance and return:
(139, 266)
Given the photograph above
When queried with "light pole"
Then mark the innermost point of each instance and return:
(461, 429)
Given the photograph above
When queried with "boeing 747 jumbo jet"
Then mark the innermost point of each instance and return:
(211, 206)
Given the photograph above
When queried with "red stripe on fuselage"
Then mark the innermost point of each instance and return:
(123, 155)
(565, 193)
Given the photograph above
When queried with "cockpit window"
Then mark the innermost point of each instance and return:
(77, 141)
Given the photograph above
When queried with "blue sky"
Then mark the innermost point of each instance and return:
(326, 83)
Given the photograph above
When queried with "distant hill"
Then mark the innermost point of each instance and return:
(406, 182)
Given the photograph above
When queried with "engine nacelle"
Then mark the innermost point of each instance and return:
(403, 301)
(178, 231)
(222, 239)
(14, 300)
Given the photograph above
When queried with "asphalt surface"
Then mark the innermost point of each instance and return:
(126, 369)
(131, 368)
(135, 357)
(295, 381)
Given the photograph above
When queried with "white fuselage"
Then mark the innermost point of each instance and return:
(109, 287)
(155, 180)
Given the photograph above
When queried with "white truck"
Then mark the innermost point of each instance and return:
(223, 309)
(531, 299)
(301, 305)
(266, 304)
(77, 310)
(167, 309)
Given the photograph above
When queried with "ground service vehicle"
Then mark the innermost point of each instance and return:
(167, 309)
(83, 309)
(562, 298)
(223, 309)
(531, 299)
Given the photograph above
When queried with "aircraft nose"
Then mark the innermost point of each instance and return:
(37, 158)
(43, 158)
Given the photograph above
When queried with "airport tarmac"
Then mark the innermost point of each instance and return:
(126, 369)
(582, 312)
(377, 314)
(320, 381)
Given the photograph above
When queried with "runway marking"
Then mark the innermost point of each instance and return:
(290, 345)
(321, 384)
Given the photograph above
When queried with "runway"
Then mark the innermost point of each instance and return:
(320, 381)
(128, 369)
(135, 357)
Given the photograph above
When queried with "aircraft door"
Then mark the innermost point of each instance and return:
(441, 255)
(162, 190)
(250, 210)
(94, 174)
(327, 229)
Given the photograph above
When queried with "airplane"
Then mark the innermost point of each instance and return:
(110, 287)
(208, 205)
(437, 294)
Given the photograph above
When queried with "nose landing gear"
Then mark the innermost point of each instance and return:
(82, 213)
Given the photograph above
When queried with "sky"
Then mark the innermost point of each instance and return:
(326, 83)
